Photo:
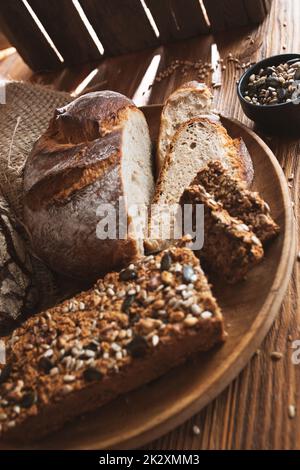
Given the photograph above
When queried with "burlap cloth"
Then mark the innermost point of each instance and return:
(23, 117)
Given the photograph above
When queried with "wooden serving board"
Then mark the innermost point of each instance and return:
(249, 309)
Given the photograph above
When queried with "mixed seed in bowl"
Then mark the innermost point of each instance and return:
(274, 84)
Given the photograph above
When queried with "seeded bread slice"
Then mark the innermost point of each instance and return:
(247, 205)
(230, 248)
(192, 99)
(129, 329)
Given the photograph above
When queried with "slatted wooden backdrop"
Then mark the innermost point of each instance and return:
(121, 26)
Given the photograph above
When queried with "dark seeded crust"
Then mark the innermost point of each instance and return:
(140, 327)
(246, 205)
(230, 248)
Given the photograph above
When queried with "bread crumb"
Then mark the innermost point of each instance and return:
(196, 430)
(292, 411)
(276, 356)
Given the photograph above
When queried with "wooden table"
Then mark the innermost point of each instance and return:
(253, 412)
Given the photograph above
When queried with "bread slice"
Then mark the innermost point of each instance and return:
(192, 99)
(196, 143)
(132, 327)
(246, 205)
(230, 248)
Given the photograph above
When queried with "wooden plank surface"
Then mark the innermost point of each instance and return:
(66, 29)
(4, 42)
(256, 10)
(176, 19)
(22, 32)
(224, 14)
(252, 413)
(121, 26)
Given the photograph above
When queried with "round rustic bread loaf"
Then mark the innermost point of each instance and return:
(96, 150)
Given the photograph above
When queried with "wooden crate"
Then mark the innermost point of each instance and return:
(121, 26)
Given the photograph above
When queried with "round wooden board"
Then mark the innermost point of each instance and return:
(249, 309)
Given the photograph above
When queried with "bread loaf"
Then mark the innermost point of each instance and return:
(190, 100)
(96, 150)
(131, 328)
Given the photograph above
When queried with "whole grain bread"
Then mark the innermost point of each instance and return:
(96, 150)
(230, 248)
(239, 201)
(130, 328)
(190, 100)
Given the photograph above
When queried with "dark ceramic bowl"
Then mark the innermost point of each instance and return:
(276, 118)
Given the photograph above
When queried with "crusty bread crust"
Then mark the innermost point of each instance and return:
(184, 90)
(130, 328)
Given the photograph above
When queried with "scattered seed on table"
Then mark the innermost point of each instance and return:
(276, 356)
(292, 411)
(196, 430)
